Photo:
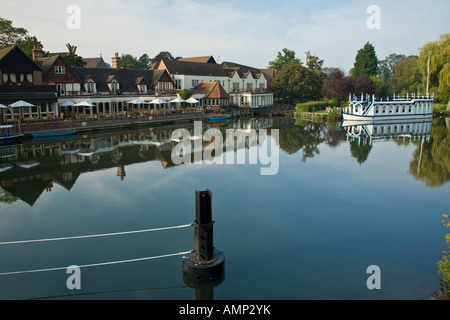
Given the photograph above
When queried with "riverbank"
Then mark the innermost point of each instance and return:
(107, 124)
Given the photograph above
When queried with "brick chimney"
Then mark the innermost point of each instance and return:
(116, 61)
(37, 53)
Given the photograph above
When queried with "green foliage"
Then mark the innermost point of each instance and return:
(128, 61)
(27, 44)
(366, 62)
(72, 58)
(295, 82)
(406, 76)
(185, 94)
(439, 78)
(444, 264)
(9, 35)
(360, 150)
(283, 58)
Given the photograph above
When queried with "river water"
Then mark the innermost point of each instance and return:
(338, 200)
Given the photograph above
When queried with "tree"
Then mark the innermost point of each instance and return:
(365, 85)
(439, 78)
(386, 71)
(9, 35)
(72, 58)
(337, 86)
(27, 44)
(315, 76)
(406, 75)
(127, 61)
(283, 58)
(366, 62)
(185, 94)
(163, 55)
(144, 61)
(290, 83)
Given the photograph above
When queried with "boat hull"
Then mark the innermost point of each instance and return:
(51, 135)
(11, 139)
(220, 118)
(354, 117)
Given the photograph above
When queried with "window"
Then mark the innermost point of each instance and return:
(5, 77)
(142, 88)
(194, 83)
(177, 83)
(262, 86)
(235, 86)
(12, 76)
(30, 77)
(60, 70)
(90, 87)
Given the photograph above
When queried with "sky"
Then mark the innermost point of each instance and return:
(246, 31)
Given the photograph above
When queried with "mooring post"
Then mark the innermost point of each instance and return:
(205, 265)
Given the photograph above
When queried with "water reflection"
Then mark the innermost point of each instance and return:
(28, 170)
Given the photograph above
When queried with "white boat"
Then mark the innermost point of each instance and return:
(398, 108)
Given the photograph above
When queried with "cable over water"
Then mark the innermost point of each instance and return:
(95, 235)
(97, 264)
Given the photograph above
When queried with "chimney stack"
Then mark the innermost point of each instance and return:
(37, 53)
(116, 61)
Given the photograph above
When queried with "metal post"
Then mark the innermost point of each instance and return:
(204, 267)
(203, 234)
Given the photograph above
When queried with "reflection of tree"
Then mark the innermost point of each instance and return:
(307, 136)
(360, 150)
(7, 197)
(431, 160)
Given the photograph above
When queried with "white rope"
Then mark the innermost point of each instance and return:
(96, 235)
(96, 264)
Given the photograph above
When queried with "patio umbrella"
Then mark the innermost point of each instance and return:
(177, 100)
(2, 106)
(21, 103)
(158, 101)
(84, 104)
(138, 101)
(191, 100)
(66, 103)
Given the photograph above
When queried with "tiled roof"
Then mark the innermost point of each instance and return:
(232, 65)
(204, 59)
(212, 90)
(95, 63)
(5, 51)
(127, 78)
(193, 68)
(46, 63)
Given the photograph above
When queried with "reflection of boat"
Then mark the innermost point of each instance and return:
(7, 137)
(399, 108)
(386, 129)
(37, 136)
(219, 118)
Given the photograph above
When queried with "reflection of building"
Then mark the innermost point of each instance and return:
(29, 169)
(386, 130)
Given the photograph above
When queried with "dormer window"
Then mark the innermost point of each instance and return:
(60, 70)
(142, 87)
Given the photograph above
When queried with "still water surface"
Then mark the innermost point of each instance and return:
(336, 206)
